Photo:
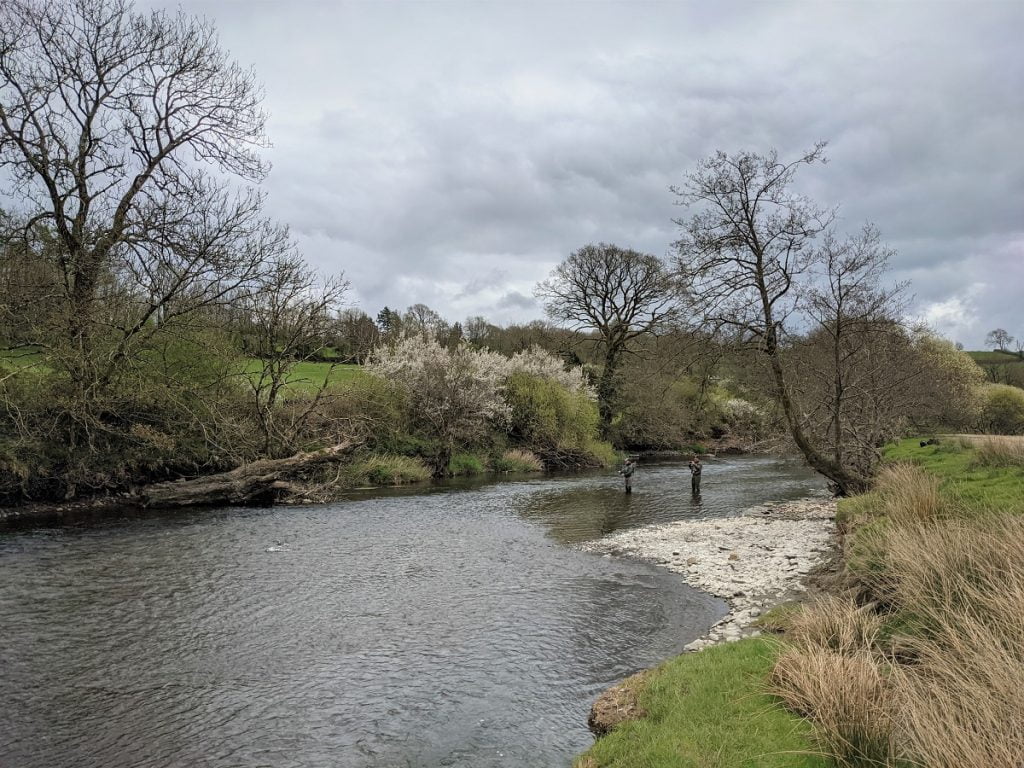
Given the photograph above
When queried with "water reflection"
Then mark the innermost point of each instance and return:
(591, 508)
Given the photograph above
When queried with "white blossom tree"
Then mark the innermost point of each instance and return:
(537, 361)
(457, 393)
(454, 393)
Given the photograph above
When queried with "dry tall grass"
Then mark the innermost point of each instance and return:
(836, 623)
(963, 700)
(845, 695)
(969, 569)
(997, 451)
(958, 588)
(962, 703)
(518, 460)
(906, 494)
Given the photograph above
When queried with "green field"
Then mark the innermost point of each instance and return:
(978, 487)
(310, 376)
(304, 376)
(23, 357)
(995, 358)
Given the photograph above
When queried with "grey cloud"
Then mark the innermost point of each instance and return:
(516, 300)
(452, 153)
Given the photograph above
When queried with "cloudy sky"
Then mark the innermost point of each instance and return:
(453, 153)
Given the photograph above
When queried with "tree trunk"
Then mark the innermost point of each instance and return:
(261, 481)
(606, 388)
(439, 468)
(846, 483)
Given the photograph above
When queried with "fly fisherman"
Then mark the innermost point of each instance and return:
(627, 472)
(695, 470)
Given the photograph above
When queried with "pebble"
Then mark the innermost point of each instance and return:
(753, 576)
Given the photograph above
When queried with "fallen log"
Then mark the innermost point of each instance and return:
(260, 482)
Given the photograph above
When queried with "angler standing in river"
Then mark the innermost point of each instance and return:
(695, 469)
(627, 472)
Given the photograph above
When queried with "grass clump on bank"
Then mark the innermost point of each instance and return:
(709, 709)
(389, 470)
(923, 664)
(1000, 452)
(464, 464)
(517, 460)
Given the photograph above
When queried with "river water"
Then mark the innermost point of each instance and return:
(455, 626)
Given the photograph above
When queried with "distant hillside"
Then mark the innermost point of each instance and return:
(1001, 367)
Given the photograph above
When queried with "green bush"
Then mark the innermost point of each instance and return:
(600, 453)
(1002, 410)
(174, 409)
(554, 422)
(657, 412)
(374, 411)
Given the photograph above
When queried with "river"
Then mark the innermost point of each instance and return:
(449, 626)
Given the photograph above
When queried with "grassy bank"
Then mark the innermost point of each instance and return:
(920, 659)
(971, 471)
(709, 710)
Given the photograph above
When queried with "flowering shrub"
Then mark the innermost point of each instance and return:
(454, 394)
(541, 364)
(457, 395)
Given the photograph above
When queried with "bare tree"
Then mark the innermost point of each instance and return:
(358, 335)
(288, 320)
(109, 122)
(476, 329)
(617, 293)
(857, 355)
(999, 339)
(743, 256)
(421, 319)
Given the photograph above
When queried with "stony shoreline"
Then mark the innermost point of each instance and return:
(753, 561)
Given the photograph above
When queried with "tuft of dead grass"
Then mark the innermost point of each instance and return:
(906, 494)
(963, 698)
(961, 703)
(845, 696)
(959, 569)
(834, 622)
(998, 451)
(518, 460)
(958, 588)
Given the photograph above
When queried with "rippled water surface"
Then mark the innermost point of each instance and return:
(453, 627)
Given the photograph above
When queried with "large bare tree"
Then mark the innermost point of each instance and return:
(846, 372)
(744, 254)
(616, 293)
(120, 133)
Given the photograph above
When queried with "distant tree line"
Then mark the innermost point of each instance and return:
(155, 323)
